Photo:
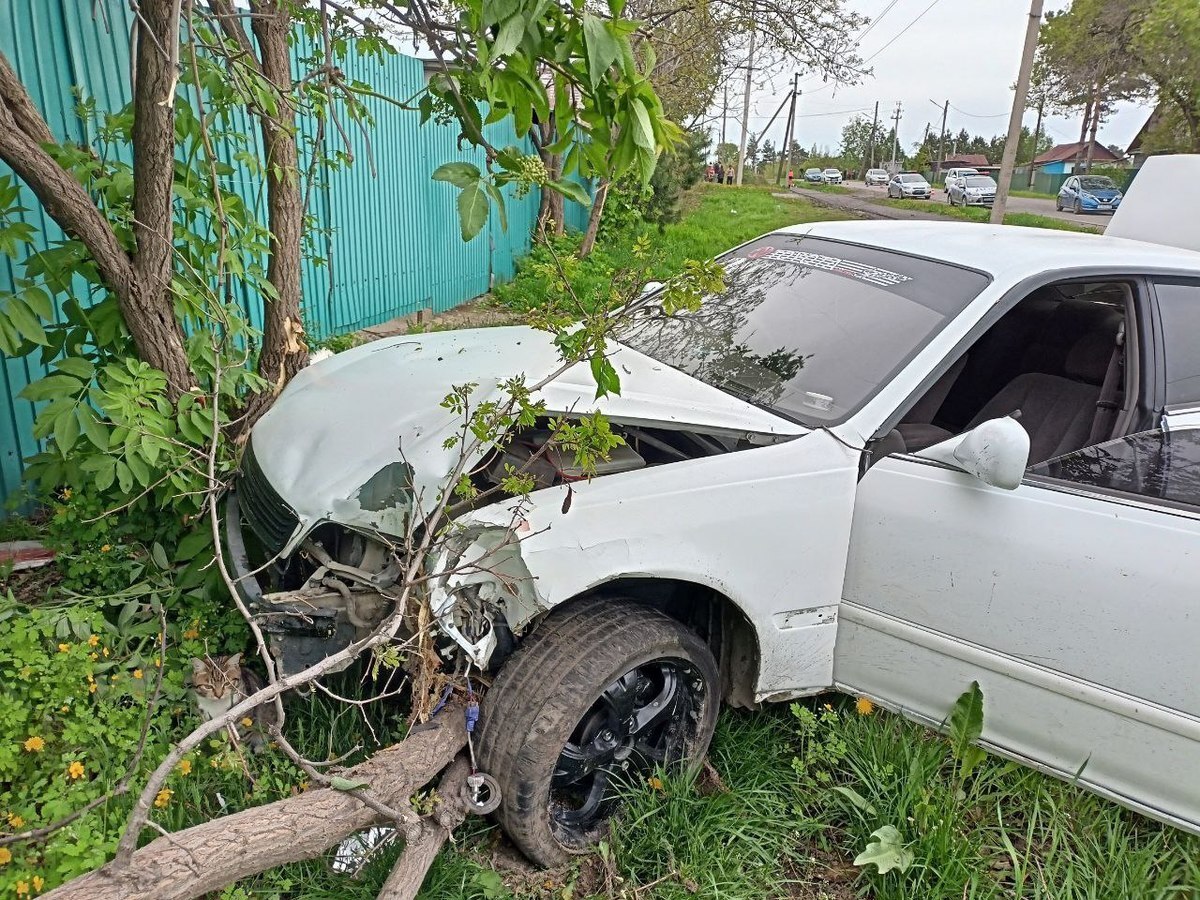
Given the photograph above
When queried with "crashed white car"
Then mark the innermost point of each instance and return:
(891, 459)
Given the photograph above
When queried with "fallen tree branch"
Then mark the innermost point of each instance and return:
(296, 828)
(408, 874)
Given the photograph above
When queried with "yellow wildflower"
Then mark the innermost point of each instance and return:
(247, 721)
(93, 656)
(829, 706)
(163, 798)
(35, 744)
(113, 679)
(75, 770)
(303, 786)
(106, 651)
(67, 493)
(38, 883)
(5, 856)
(64, 648)
(92, 688)
(15, 821)
(106, 548)
(157, 663)
(863, 706)
(137, 673)
(22, 888)
(64, 708)
(191, 634)
(655, 782)
(185, 767)
(93, 640)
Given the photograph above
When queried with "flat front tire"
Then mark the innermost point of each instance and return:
(603, 690)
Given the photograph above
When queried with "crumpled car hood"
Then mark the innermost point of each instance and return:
(348, 434)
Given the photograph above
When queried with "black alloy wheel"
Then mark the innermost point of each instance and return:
(604, 692)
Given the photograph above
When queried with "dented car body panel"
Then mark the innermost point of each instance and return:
(794, 491)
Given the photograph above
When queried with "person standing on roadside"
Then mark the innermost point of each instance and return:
(790, 178)
(720, 171)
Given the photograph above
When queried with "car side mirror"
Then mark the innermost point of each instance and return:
(996, 452)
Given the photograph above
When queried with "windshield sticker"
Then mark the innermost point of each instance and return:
(838, 266)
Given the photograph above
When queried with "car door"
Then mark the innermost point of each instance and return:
(893, 184)
(1070, 600)
(1070, 190)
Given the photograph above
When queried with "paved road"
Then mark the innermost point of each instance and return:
(872, 203)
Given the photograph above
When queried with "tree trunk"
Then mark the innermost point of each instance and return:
(207, 857)
(593, 225)
(284, 352)
(146, 305)
(1091, 145)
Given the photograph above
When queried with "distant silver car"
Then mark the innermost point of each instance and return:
(909, 185)
(972, 190)
(832, 176)
(814, 175)
(876, 177)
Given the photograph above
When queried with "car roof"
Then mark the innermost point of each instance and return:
(1008, 252)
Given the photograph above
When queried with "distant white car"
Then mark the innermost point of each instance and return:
(824, 483)
(957, 172)
(832, 176)
(875, 177)
(910, 185)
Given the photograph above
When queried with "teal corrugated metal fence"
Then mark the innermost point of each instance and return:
(390, 241)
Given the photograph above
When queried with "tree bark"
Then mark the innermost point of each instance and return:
(207, 857)
(284, 352)
(148, 310)
(593, 225)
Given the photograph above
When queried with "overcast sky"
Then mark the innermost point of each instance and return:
(964, 51)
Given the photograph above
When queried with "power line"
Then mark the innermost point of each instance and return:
(973, 116)
(901, 32)
(876, 20)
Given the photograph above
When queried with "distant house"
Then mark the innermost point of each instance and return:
(1060, 159)
(1141, 148)
(966, 161)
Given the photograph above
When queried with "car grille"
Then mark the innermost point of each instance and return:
(269, 517)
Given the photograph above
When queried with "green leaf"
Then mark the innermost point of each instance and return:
(856, 799)
(51, 387)
(106, 474)
(77, 366)
(66, 430)
(472, 210)
(192, 544)
(338, 783)
(966, 727)
(643, 131)
(159, 555)
(572, 190)
(498, 199)
(607, 380)
(459, 174)
(509, 38)
(24, 320)
(886, 852)
(602, 49)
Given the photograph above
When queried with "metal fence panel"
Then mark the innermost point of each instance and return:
(386, 233)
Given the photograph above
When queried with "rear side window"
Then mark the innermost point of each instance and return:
(1157, 465)
(1179, 307)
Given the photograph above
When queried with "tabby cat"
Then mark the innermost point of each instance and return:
(220, 683)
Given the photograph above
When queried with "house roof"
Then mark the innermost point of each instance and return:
(965, 159)
(1063, 152)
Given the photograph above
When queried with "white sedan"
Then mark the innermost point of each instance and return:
(893, 458)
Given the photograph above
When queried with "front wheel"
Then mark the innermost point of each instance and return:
(603, 691)
(1077, 208)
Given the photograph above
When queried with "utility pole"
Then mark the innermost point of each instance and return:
(941, 144)
(895, 135)
(785, 152)
(1020, 96)
(746, 107)
(724, 113)
(874, 125)
(1037, 136)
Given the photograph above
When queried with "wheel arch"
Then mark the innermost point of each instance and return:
(710, 613)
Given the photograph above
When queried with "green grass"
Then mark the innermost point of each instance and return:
(1032, 195)
(824, 188)
(715, 218)
(980, 214)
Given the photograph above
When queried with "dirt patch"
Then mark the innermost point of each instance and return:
(479, 313)
(823, 875)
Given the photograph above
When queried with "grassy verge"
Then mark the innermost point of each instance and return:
(716, 217)
(824, 188)
(1032, 195)
(980, 214)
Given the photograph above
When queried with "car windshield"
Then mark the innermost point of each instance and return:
(809, 328)
(876, 172)
(1097, 183)
(979, 181)
(813, 171)
(831, 171)
(911, 179)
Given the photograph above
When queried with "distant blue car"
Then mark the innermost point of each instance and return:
(1088, 193)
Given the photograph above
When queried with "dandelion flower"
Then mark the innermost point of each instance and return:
(92, 688)
(106, 548)
(185, 767)
(5, 856)
(93, 656)
(38, 883)
(247, 721)
(64, 648)
(191, 634)
(75, 770)
(106, 651)
(93, 640)
(15, 821)
(163, 798)
(35, 744)
(22, 888)
(655, 782)
(863, 706)
(829, 706)
(137, 673)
